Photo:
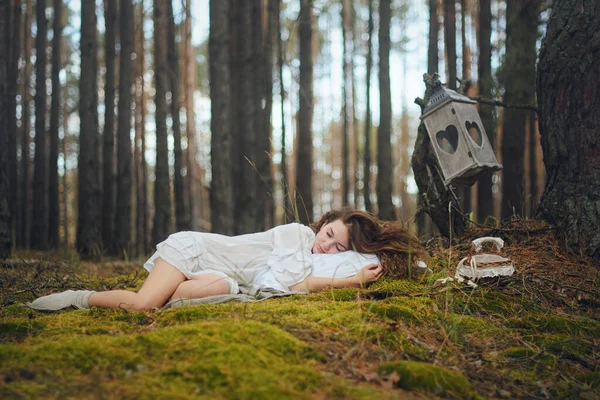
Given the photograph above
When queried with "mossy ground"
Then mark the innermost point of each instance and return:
(395, 339)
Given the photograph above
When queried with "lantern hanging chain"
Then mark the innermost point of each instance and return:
(497, 103)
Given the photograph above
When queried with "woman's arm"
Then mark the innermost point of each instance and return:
(366, 275)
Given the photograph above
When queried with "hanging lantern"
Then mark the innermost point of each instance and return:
(457, 136)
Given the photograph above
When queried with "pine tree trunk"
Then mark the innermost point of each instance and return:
(14, 26)
(189, 85)
(304, 153)
(5, 212)
(108, 144)
(162, 191)
(122, 222)
(450, 41)
(24, 215)
(367, 132)
(89, 219)
(569, 104)
(54, 205)
(39, 223)
(434, 29)
(485, 201)
(182, 215)
(384, 147)
(466, 74)
(345, 104)
(221, 192)
(519, 81)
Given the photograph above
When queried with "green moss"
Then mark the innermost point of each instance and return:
(562, 344)
(19, 329)
(520, 352)
(344, 294)
(398, 286)
(394, 312)
(557, 324)
(426, 377)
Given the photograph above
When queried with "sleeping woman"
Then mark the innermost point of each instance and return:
(291, 257)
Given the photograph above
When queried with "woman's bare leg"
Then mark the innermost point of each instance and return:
(202, 286)
(162, 282)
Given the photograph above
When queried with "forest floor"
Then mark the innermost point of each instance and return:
(533, 335)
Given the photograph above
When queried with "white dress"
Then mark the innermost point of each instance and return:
(284, 251)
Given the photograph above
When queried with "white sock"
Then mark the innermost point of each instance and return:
(58, 301)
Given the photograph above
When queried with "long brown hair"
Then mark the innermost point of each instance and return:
(395, 246)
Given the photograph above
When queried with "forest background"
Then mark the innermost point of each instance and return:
(262, 119)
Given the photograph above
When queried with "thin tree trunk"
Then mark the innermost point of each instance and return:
(345, 106)
(367, 150)
(182, 215)
(54, 205)
(108, 149)
(162, 191)
(450, 40)
(65, 191)
(221, 193)
(434, 29)
(485, 201)
(355, 135)
(466, 73)
(24, 216)
(39, 230)
(89, 219)
(5, 212)
(122, 222)
(304, 152)
(384, 154)
(190, 128)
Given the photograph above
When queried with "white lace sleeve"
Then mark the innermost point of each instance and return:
(291, 258)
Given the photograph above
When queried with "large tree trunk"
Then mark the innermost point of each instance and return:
(221, 193)
(182, 215)
(24, 204)
(39, 229)
(189, 79)
(466, 74)
(450, 41)
(108, 147)
(485, 201)
(162, 191)
(54, 206)
(519, 77)
(384, 146)
(568, 69)
(89, 219)
(304, 151)
(345, 103)
(14, 28)
(433, 59)
(124, 176)
(5, 212)
(367, 133)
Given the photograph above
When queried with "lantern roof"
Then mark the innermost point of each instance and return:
(442, 95)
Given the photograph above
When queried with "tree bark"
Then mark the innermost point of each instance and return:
(14, 27)
(24, 214)
(182, 214)
(5, 212)
(345, 103)
(569, 105)
(140, 140)
(367, 149)
(519, 77)
(450, 40)
(304, 152)
(162, 190)
(108, 146)
(221, 193)
(122, 224)
(189, 80)
(485, 201)
(54, 205)
(39, 223)
(88, 203)
(434, 30)
(384, 146)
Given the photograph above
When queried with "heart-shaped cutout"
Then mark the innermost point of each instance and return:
(447, 140)
(474, 132)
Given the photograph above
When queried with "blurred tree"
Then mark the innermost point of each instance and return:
(162, 191)
(221, 193)
(569, 106)
(182, 215)
(518, 77)
(434, 29)
(39, 229)
(24, 188)
(88, 202)
(384, 153)
(55, 106)
(346, 57)
(122, 224)
(5, 212)
(367, 132)
(108, 144)
(485, 202)
(304, 149)
(14, 28)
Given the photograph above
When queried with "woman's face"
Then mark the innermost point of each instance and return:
(333, 237)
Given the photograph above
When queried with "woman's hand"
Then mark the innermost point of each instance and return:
(369, 274)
